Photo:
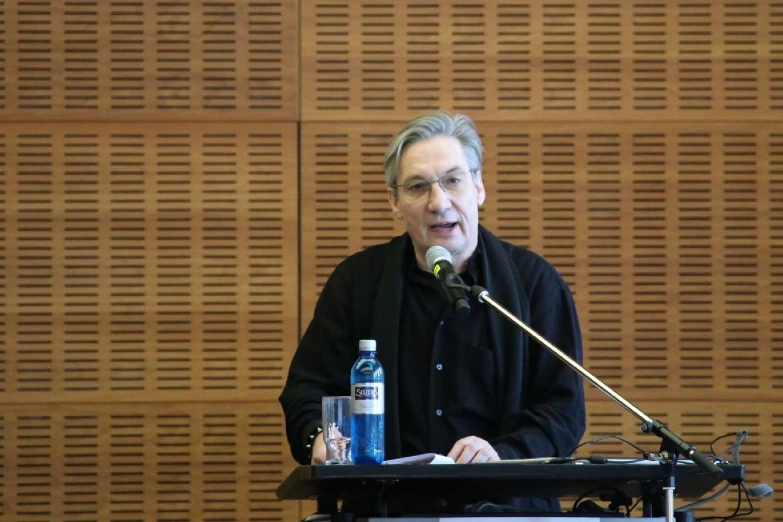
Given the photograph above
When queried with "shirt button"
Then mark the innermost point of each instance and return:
(439, 366)
(440, 323)
(439, 412)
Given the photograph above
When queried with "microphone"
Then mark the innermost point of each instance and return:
(439, 262)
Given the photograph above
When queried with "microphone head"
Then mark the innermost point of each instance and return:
(436, 253)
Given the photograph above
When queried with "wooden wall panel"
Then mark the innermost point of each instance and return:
(149, 60)
(155, 462)
(147, 262)
(147, 291)
(666, 233)
(522, 60)
(344, 206)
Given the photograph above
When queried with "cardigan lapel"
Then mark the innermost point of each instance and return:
(385, 330)
(502, 281)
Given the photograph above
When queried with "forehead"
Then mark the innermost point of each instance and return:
(432, 157)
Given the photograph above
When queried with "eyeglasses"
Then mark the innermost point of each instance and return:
(452, 184)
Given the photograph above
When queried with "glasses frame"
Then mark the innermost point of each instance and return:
(470, 172)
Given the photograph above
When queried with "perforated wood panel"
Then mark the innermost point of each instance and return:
(142, 462)
(699, 423)
(544, 60)
(148, 60)
(667, 234)
(147, 262)
(156, 262)
(345, 207)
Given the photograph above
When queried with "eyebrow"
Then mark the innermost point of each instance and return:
(449, 171)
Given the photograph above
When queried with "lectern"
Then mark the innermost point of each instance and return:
(460, 484)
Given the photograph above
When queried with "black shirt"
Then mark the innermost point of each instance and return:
(436, 346)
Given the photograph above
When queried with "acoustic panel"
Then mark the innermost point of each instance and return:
(523, 60)
(148, 60)
(345, 207)
(197, 461)
(147, 261)
(667, 234)
(699, 423)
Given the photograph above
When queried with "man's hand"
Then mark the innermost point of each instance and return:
(319, 450)
(473, 450)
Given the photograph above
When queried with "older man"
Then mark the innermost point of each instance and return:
(472, 387)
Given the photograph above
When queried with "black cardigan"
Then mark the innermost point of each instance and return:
(543, 412)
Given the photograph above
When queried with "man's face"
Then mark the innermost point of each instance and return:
(447, 218)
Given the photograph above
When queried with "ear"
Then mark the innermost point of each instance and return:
(480, 192)
(394, 202)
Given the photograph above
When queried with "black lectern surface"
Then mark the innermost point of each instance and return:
(475, 482)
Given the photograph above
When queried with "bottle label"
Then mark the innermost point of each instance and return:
(367, 398)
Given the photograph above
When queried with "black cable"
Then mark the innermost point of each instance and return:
(739, 503)
(723, 519)
(737, 444)
(626, 505)
(736, 514)
(742, 439)
(634, 506)
(632, 461)
(596, 489)
(750, 505)
(604, 437)
(716, 439)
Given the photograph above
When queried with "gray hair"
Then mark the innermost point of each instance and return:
(428, 126)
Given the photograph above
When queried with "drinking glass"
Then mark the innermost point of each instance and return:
(336, 415)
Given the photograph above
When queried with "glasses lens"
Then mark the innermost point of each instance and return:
(416, 189)
(452, 184)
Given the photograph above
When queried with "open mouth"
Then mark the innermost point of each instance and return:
(444, 226)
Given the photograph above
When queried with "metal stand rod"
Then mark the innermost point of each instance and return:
(648, 424)
(669, 490)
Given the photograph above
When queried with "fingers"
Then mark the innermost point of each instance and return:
(473, 450)
(485, 455)
(319, 451)
(333, 431)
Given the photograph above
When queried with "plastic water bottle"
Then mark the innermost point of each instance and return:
(367, 407)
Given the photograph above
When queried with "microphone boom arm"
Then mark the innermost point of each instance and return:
(649, 425)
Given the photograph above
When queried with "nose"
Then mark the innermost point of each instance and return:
(439, 200)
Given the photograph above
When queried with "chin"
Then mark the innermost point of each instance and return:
(452, 245)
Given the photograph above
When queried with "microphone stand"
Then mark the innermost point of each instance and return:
(670, 442)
